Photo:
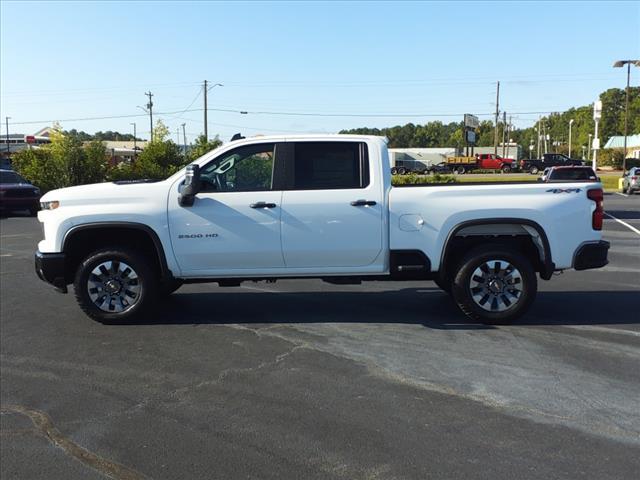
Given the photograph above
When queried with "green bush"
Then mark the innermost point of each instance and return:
(413, 179)
(611, 157)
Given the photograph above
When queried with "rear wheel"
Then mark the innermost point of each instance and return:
(506, 169)
(534, 170)
(115, 285)
(402, 171)
(494, 284)
(625, 190)
(394, 171)
(460, 170)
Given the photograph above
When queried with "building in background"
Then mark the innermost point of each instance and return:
(633, 144)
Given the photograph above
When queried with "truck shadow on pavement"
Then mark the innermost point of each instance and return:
(423, 306)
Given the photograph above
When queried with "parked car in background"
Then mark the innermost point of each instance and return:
(569, 174)
(631, 181)
(534, 166)
(17, 194)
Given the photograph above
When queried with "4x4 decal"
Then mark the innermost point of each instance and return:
(564, 190)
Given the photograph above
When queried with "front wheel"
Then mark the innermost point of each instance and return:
(506, 169)
(115, 285)
(494, 284)
(460, 170)
(534, 170)
(394, 171)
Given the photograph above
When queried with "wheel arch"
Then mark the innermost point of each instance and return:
(539, 239)
(135, 234)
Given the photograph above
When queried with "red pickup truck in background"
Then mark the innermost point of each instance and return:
(482, 161)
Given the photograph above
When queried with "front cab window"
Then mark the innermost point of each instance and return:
(243, 169)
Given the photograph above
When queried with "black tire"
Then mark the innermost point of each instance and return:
(506, 169)
(460, 170)
(534, 170)
(146, 286)
(394, 171)
(625, 190)
(170, 286)
(402, 171)
(524, 283)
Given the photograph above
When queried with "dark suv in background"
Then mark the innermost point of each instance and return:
(17, 194)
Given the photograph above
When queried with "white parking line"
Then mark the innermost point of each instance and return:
(621, 194)
(630, 227)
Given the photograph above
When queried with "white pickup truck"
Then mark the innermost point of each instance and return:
(322, 207)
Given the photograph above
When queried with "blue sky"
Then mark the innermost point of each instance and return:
(72, 60)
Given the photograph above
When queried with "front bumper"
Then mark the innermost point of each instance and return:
(50, 269)
(591, 255)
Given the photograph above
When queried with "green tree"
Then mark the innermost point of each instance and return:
(63, 163)
(202, 146)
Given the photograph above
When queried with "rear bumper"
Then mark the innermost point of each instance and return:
(50, 269)
(591, 255)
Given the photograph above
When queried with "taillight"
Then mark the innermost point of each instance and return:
(597, 196)
(634, 178)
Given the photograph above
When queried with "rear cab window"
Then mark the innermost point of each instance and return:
(330, 165)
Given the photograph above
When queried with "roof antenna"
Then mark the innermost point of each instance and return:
(237, 136)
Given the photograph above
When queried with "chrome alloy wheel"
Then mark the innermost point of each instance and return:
(496, 286)
(114, 286)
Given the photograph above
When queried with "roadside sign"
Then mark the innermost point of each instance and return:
(595, 145)
(470, 137)
(597, 110)
(471, 121)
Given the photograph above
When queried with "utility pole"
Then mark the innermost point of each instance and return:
(504, 132)
(589, 147)
(6, 121)
(135, 149)
(184, 137)
(538, 150)
(509, 127)
(178, 136)
(150, 108)
(495, 136)
(206, 131)
(620, 64)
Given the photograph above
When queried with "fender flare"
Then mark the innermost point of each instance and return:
(548, 267)
(162, 259)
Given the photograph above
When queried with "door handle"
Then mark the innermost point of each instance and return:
(263, 205)
(363, 203)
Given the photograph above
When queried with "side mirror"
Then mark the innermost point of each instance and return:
(191, 186)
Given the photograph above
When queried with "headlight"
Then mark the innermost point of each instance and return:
(49, 205)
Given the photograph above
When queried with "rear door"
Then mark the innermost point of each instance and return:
(332, 213)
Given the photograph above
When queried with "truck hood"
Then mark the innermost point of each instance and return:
(101, 193)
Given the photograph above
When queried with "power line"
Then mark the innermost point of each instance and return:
(303, 114)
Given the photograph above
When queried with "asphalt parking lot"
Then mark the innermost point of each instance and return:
(379, 381)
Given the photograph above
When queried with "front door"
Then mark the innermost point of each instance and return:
(234, 223)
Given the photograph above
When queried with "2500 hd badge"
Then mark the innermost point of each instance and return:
(199, 235)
